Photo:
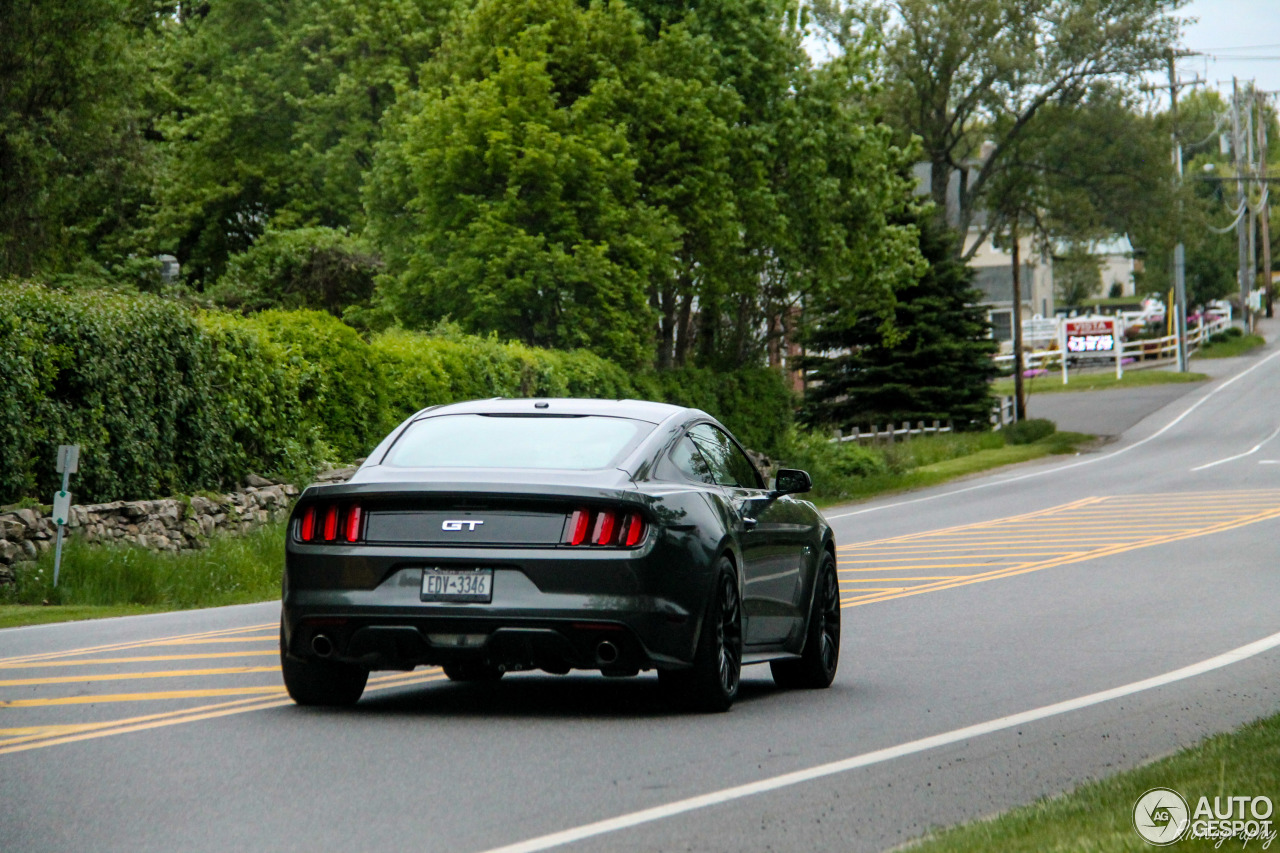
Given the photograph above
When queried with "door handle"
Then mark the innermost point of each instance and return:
(749, 523)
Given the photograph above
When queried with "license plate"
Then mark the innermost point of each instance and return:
(465, 585)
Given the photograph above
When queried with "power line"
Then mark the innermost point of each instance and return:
(1238, 47)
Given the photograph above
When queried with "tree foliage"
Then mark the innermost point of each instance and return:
(937, 366)
(74, 166)
(574, 175)
(273, 113)
(973, 74)
(320, 268)
(1077, 275)
(507, 197)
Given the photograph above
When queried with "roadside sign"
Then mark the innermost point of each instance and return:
(68, 462)
(1086, 336)
(61, 507)
(68, 458)
(1092, 336)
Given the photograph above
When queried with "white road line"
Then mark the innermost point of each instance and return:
(626, 821)
(1248, 452)
(1197, 404)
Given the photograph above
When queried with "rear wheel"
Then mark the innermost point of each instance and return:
(711, 684)
(472, 671)
(816, 667)
(321, 682)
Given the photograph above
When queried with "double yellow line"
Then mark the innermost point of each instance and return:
(1044, 535)
(37, 737)
(19, 739)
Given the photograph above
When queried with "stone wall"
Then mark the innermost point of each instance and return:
(171, 524)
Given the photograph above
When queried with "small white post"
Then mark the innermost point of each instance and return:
(1062, 347)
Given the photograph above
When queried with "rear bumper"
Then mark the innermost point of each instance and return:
(608, 610)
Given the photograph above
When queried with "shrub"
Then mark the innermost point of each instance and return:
(320, 268)
(1028, 431)
(838, 469)
(165, 399)
(110, 373)
(753, 402)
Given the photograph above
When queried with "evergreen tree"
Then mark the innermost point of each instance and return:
(933, 364)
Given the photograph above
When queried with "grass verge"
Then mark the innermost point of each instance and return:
(1099, 816)
(849, 472)
(1230, 347)
(17, 615)
(116, 580)
(1052, 383)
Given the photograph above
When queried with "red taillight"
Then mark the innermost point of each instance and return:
(602, 533)
(604, 527)
(353, 523)
(633, 530)
(331, 523)
(576, 532)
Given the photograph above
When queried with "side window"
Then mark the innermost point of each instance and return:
(691, 463)
(729, 464)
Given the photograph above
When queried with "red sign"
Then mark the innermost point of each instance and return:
(1090, 336)
(1089, 327)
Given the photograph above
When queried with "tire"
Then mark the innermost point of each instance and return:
(321, 682)
(472, 672)
(711, 684)
(816, 667)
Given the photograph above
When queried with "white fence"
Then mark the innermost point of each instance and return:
(891, 432)
(1155, 350)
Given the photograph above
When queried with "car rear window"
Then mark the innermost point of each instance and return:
(505, 441)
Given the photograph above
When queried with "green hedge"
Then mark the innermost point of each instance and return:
(165, 399)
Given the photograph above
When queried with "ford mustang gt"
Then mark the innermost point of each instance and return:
(613, 535)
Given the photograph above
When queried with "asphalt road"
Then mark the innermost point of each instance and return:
(975, 614)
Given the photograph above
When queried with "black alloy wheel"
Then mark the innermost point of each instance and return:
(816, 666)
(321, 682)
(712, 683)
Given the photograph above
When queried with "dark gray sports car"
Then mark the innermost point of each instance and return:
(614, 535)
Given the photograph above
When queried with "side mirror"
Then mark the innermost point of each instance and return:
(790, 481)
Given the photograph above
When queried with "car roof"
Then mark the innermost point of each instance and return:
(641, 410)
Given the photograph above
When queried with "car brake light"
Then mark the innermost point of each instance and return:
(579, 522)
(606, 527)
(602, 534)
(633, 531)
(353, 523)
(331, 522)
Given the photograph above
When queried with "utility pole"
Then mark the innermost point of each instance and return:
(1242, 241)
(1251, 213)
(1019, 395)
(1265, 213)
(1179, 251)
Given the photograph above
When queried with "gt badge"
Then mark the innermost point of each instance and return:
(457, 525)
